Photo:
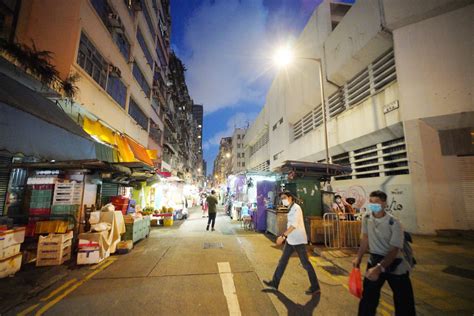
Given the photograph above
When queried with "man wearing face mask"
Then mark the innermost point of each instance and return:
(296, 240)
(382, 235)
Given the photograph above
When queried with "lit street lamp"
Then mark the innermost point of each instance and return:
(284, 57)
(227, 155)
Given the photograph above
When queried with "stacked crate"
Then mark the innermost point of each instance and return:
(121, 204)
(66, 200)
(40, 205)
(54, 249)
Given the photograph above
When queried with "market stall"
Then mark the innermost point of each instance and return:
(304, 180)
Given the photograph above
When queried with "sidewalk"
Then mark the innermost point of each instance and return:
(443, 279)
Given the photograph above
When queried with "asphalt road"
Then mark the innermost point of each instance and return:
(186, 270)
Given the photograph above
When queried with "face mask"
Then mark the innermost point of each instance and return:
(285, 202)
(374, 207)
(338, 200)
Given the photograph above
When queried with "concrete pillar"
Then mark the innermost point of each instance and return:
(437, 192)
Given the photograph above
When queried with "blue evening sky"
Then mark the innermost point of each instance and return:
(226, 46)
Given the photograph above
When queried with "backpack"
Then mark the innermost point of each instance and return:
(407, 250)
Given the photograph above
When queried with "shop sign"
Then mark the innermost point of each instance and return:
(390, 107)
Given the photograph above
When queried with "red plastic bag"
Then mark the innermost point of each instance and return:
(355, 283)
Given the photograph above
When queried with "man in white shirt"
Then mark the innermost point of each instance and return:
(296, 240)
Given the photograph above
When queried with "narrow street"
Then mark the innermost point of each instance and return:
(176, 271)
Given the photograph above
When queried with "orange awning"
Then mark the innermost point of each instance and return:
(139, 151)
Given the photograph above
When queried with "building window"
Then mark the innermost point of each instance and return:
(243, 155)
(8, 17)
(146, 51)
(148, 19)
(137, 114)
(238, 155)
(161, 54)
(140, 78)
(238, 164)
(243, 164)
(238, 136)
(122, 44)
(92, 61)
(117, 90)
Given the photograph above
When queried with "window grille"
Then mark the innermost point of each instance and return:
(137, 114)
(117, 90)
(148, 20)
(143, 45)
(92, 61)
(140, 78)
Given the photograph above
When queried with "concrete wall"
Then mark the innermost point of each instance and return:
(435, 65)
(58, 35)
(356, 41)
(398, 189)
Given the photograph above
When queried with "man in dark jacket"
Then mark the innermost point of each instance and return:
(212, 209)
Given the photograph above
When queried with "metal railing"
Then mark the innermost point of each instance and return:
(341, 230)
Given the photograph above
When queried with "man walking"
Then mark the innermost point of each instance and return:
(383, 236)
(212, 202)
(296, 240)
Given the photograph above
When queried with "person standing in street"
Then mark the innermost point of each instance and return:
(212, 202)
(296, 240)
(383, 236)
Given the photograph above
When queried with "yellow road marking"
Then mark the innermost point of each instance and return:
(59, 289)
(73, 288)
(343, 281)
(28, 310)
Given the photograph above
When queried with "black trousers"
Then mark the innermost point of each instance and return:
(212, 217)
(403, 297)
(303, 255)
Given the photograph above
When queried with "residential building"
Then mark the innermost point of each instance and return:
(398, 94)
(119, 50)
(183, 136)
(223, 161)
(238, 151)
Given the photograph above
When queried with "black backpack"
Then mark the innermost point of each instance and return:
(407, 251)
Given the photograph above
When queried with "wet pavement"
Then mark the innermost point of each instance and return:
(186, 270)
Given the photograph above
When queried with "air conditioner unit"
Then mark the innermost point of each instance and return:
(114, 20)
(115, 71)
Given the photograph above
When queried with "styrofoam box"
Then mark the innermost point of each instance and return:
(12, 237)
(9, 251)
(90, 256)
(10, 265)
(85, 244)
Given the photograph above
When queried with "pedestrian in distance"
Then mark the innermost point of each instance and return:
(383, 237)
(212, 202)
(295, 239)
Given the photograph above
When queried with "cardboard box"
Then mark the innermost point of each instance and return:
(90, 256)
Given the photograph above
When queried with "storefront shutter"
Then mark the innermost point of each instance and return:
(108, 190)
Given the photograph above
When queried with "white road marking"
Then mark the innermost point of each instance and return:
(228, 286)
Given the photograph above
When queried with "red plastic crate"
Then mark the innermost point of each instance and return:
(119, 200)
(121, 207)
(39, 211)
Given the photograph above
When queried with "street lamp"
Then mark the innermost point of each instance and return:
(282, 58)
(227, 155)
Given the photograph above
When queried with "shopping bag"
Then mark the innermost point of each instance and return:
(355, 283)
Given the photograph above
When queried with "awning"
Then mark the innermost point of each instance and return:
(34, 126)
(129, 151)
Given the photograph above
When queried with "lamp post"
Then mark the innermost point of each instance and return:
(283, 58)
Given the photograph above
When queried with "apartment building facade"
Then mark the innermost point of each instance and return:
(223, 161)
(238, 151)
(398, 96)
(119, 51)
